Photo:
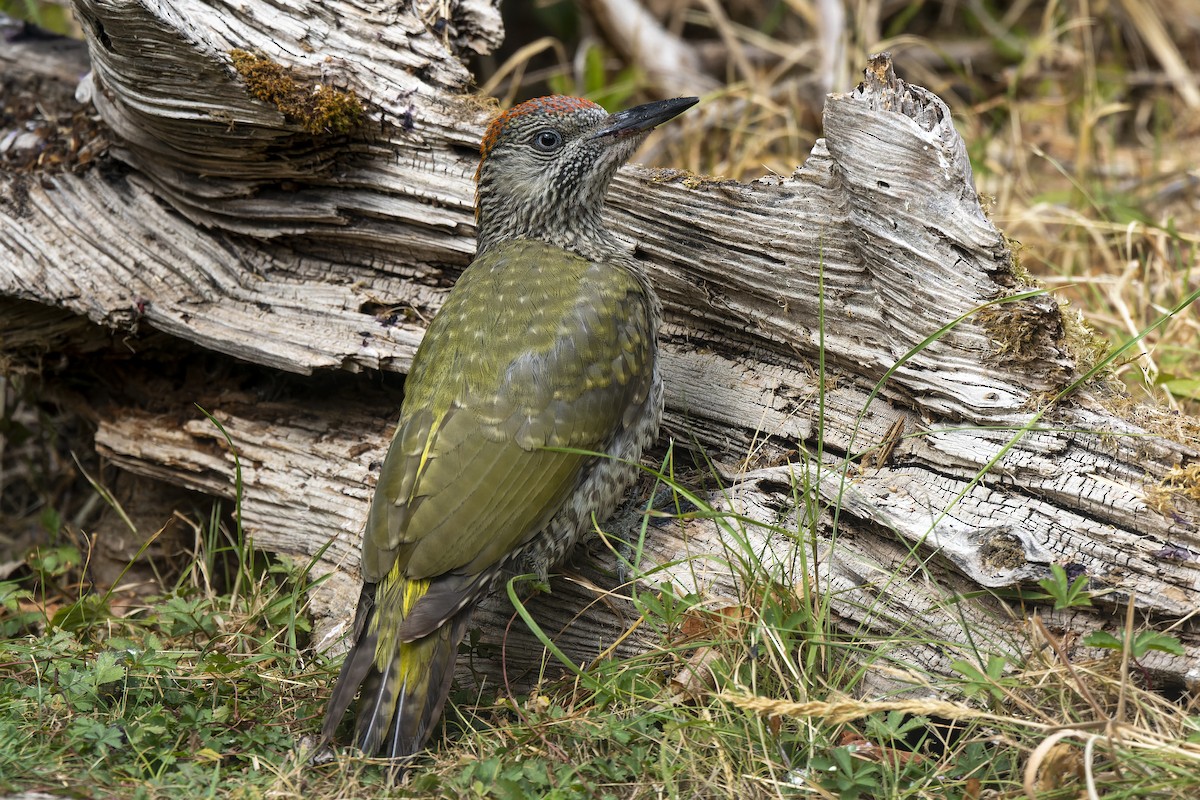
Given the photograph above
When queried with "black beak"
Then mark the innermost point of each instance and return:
(640, 119)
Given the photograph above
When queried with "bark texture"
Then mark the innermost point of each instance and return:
(279, 196)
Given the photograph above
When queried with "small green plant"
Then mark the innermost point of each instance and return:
(894, 726)
(51, 564)
(18, 610)
(848, 776)
(1065, 592)
(1142, 643)
(986, 682)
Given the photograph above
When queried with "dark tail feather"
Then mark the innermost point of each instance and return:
(398, 705)
(420, 702)
(354, 669)
(375, 707)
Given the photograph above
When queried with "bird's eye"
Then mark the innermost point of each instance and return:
(547, 141)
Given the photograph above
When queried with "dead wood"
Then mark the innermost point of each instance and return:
(291, 188)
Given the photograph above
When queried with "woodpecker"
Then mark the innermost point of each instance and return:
(544, 352)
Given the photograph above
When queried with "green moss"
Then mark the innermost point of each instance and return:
(1084, 343)
(1021, 329)
(317, 108)
(1017, 268)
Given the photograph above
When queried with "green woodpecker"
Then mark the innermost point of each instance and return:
(548, 342)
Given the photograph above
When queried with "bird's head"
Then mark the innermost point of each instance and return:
(545, 166)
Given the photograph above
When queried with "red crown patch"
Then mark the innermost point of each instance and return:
(555, 105)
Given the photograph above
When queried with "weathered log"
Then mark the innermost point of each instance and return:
(797, 345)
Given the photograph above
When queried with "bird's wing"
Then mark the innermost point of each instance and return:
(534, 349)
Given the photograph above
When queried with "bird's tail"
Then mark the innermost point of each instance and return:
(404, 684)
(401, 701)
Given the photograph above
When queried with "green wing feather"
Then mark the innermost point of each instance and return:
(535, 347)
